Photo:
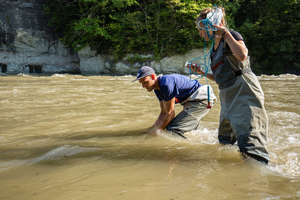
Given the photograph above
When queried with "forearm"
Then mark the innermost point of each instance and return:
(166, 115)
(167, 118)
(159, 120)
(210, 76)
(163, 120)
(201, 72)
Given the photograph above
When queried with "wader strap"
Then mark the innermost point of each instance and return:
(236, 68)
(243, 71)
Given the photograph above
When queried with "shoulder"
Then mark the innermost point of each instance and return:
(236, 35)
(172, 81)
(171, 77)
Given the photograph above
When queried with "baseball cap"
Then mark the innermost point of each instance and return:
(144, 71)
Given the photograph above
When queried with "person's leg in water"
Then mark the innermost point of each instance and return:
(225, 134)
(252, 134)
(189, 118)
(244, 104)
(253, 144)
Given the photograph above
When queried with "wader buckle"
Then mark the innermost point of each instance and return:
(243, 71)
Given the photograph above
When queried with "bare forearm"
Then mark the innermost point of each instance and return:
(164, 119)
(201, 72)
(167, 118)
(159, 119)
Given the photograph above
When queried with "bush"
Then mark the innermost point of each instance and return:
(120, 27)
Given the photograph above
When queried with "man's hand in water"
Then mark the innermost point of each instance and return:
(151, 130)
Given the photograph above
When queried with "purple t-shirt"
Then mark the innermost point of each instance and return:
(175, 86)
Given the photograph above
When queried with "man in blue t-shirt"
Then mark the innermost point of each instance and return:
(176, 88)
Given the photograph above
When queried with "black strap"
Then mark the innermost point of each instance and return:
(243, 71)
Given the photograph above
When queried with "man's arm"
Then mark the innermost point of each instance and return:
(166, 115)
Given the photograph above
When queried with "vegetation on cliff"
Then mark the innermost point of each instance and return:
(167, 27)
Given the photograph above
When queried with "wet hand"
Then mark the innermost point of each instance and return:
(152, 132)
(220, 30)
(198, 69)
(147, 130)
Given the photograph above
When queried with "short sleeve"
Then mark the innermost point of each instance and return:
(237, 36)
(169, 92)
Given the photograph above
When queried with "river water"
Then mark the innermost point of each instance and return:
(81, 137)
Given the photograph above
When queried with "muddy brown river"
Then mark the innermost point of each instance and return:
(71, 137)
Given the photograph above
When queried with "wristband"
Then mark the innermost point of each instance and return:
(224, 32)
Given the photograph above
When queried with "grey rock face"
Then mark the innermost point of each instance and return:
(27, 44)
(92, 63)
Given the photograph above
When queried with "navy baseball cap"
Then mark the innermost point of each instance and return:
(144, 71)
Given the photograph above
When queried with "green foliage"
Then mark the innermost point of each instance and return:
(271, 31)
(167, 27)
(119, 27)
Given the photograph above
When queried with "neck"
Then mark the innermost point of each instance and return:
(156, 84)
(217, 42)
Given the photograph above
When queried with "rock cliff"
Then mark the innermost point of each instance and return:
(28, 45)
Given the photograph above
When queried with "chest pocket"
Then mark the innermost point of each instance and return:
(227, 68)
(223, 74)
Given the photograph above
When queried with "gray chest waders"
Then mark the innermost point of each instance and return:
(243, 118)
(227, 68)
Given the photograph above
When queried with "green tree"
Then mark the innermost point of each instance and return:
(167, 27)
(161, 27)
(271, 31)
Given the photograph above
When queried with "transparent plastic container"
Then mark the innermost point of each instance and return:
(215, 17)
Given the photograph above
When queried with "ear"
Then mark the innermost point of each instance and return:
(152, 76)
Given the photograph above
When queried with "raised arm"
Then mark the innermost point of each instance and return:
(238, 48)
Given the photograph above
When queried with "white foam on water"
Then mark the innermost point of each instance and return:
(11, 164)
(278, 76)
(284, 114)
(53, 155)
(203, 135)
(22, 74)
(60, 152)
(79, 79)
(290, 168)
(58, 75)
(284, 140)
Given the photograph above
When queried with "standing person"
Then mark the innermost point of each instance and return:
(176, 88)
(243, 117)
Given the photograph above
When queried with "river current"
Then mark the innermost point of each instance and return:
(66, 137)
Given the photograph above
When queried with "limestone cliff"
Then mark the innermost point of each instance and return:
(27, 44)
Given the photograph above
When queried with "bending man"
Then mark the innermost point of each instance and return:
(172, 89)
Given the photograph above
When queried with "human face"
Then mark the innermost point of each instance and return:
(147, 83)
(202, 32)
